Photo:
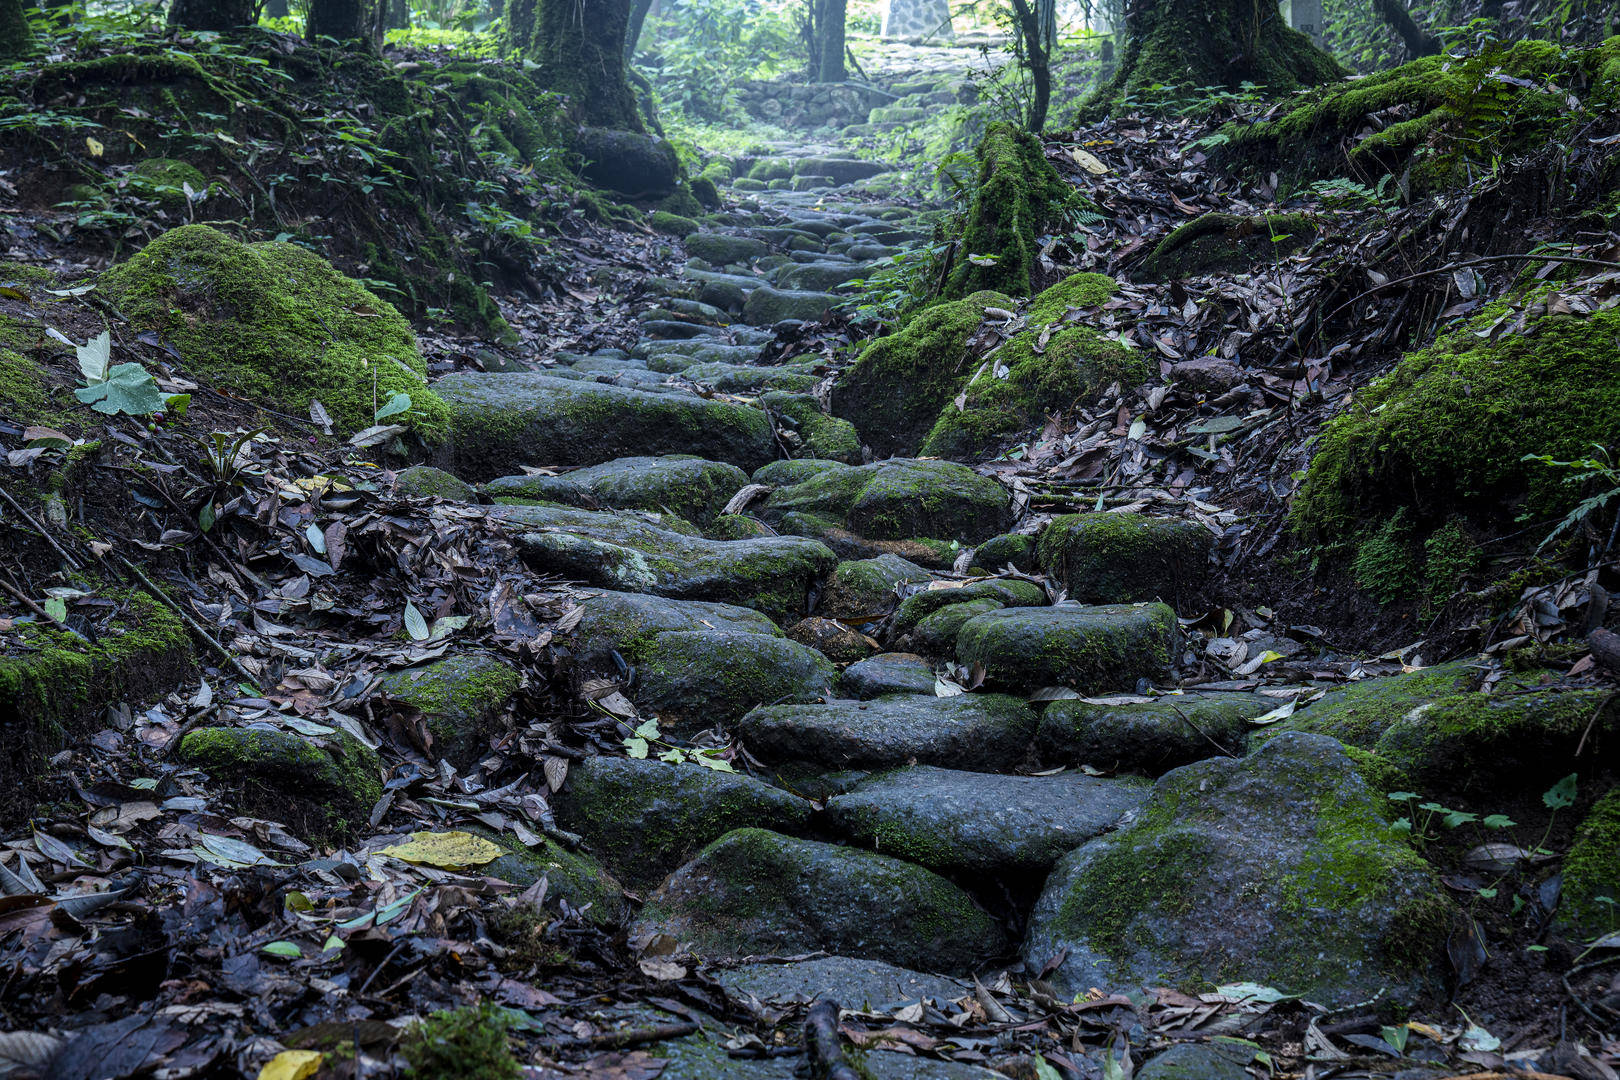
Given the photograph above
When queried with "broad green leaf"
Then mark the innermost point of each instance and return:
(128, 389)
(284, 948)
(648, 728)
(94, 357)
(177, 404)
(56, 609)
(415, 625)
(397, 404)
(715, 763)
(1561, 795)
(636, 748)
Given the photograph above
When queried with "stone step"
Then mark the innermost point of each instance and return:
(1086, 648)
(686, 486)
(500, 421)
(975, 732)
(1149, 737)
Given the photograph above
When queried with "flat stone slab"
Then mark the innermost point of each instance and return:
(644, 817)
(757, 893)
(887, 673)
(864, 588)
(977, 732)
(677, 483)
(629, 622)
(1152, 736)
(970, 823)
(694, 679)
(865, 985)
(1106, 558)
(501, 420)
(899, 499)
(770, 574)
(1088, 648)
(766, 306)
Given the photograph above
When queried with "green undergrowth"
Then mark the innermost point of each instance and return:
(1591, 886)
(1445, 118)
(276, 323)
(461, 1044)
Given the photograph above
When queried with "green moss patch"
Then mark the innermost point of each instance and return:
(326, 787)
(1592, 871)
(276, 323)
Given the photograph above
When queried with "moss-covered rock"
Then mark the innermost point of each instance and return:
(1148, 737)
(680, 484)
(1446, 433)
(750, 378)
(962, 823)
(771, 574)
(462, 699)
(1214, 242)
(721, 249)
(327, 786)
(1089, 648)
(628, 162)
(811, 431)
(1009, 549)
(695, 679)
(1592, 870)
(1050, 364)
(1359, 713)
(1009, 592)
(629, 624)
(274, 322)
(832, 639)
(1220, 1059)
(573, 876)
(977, 732)
(1017, 195)
(671, 224)
(166, 180)
(644, 818)
(766, 306)
(896, 388)
(864, 588)
(501, 421)
(1124, 558)
(757, 892)
(738, 527)
(55, 685)
(424, 481)
(887, 673)
(937, 633)
(1279, 869)
(899, 499)
(794, 471)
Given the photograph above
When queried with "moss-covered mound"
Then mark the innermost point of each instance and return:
(276, 323)
(896, 388)
(1592, 870)
(1049, 365)
(1436, 114)
(1446, 432)
(326, 786)
(1226, 242)
(1018, 194)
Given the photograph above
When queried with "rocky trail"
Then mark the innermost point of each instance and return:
(671, 694)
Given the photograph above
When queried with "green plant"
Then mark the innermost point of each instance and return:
(461, 1044)
(123, 388)
(1598, 471)
(640, 742)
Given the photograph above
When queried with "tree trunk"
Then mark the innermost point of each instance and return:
(342, 20)
(16, 37)
(830, 64)
(1187, 44)
(638, 17)
(1400, 20)
(1037, 59)
(222, 16)
(579, 46)
(396, 15)
(276, 9)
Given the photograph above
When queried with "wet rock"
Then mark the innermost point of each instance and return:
(679, 484)
(796, 471)
(1008, 592)
(1199, 1061)
(771, 574)
(970, 823)
(1149, 737)
(864, 588)
(808, 430)
(503, 420)
(754, 892)
(899, 499)
(572, 875)
(766, 306)
(1207, 374)
(937, 633)
(1278, 869)
(820, 276)
(1088, 648)
(722, 248)
(832, 639)
(978, 732)
(697, 678)
(887, 673)
(864, 985)
(643, 818)
(1591, 870)
(748, 378)
(628, 623)
(325, 786)
(461, 698)
(840, 170)
(627, 162)
(738, 527)
(1123, 558)
(423, 481)
(675, 356)
(1009, 549)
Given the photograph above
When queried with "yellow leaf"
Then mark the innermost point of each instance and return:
(94, 146)
(446, 850)
(292, 1065)
(1088, 161)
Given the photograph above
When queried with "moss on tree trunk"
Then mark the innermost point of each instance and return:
(16, 39)
(218, 15)
(1189, 44)
(579, 46)
(341, 20)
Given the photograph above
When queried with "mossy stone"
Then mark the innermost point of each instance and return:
(424, 481)
(899, 499)
(1591, 870)
(1216, 1060)
(832, 639)
(643, 818)
(689, 487)
(1009, 592)
(1009, 549)
(629, 624)
(738, 527)
(794, 471)
(694, 679)
(756, 892)
(750, 378)
(327, 787)
(1086, 647)
(1214, 242)
(671, 224)
(166, 179)
(574, 876)
(276, 323)
(1278, 868)
(1149, 737)
(1105, 558)
(722, 249)
(937, 633)
(461, 697)
(977, 732)
(766, 306)
(864, 588)
(811, 431)
(887, 673)
(1359, 713)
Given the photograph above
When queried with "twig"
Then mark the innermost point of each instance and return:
(821, 1046)
(1200, 730)
(197, 627)
(26, 516)
(35, 608)
(163, 492)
